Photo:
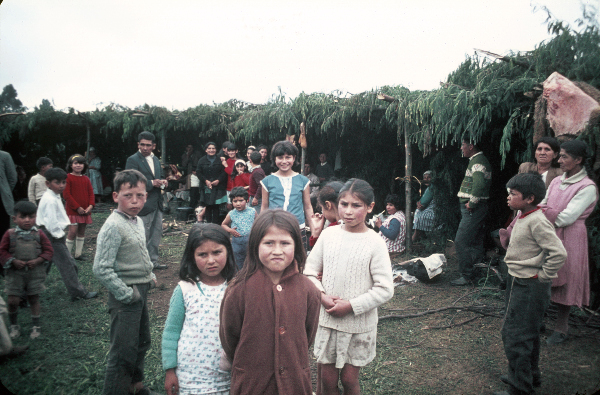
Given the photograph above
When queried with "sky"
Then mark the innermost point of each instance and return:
(179, 54)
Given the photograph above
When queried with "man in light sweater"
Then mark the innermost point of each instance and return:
(123, 266)
(533, 256)
(473, 196)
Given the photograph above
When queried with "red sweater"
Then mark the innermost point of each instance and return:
(78, 193)
(241, 180)
(229, 169)
(5, 255)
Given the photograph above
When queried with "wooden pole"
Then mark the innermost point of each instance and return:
(163, 147)
(407, 180)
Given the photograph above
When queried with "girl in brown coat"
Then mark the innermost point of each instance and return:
(270, 312)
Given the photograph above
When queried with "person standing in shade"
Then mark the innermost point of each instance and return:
(94, 173)
(473, 196)
(189, 161)
(8, 180)
(146, 163)
(324, 170)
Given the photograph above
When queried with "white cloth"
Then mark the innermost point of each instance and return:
(150, 160)
(580, 202)
(52, 215)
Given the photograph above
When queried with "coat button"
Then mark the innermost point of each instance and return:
(279, 287)
(281, 370)
(281, 330)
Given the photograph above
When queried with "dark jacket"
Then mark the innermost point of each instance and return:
(189, 162)
(154, 200)
(211, 172)
(266, 330)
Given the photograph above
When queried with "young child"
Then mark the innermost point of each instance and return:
(37, 184)
(229, 164)
(249, 152)
(191, 349)
(238, 223)
(123, 266)
(240, 176)
(393, 229)
(534, 255)
(328, 201)
(287, 189)
(270, 311)
(53, 219)
(357, 278)
(24, 253)
(255, 188)
(80, 200)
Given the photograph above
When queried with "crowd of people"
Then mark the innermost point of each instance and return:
(280, 260)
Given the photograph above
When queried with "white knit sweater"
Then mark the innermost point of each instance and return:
(356, 267)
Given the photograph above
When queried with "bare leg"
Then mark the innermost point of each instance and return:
(80, 230)
(34, 301)
(329, 379)
(72, 232)
(350, 381)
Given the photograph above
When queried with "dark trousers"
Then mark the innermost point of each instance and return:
(526, 301)
(239, 246)
(66, 266)
(194, 196)
(211, 215)
(469, 238)
(129, 342)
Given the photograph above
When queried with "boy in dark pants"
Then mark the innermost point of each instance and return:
(533, 256)
(123, 266)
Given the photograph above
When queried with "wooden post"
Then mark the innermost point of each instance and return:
(163, 147)
(407, 181)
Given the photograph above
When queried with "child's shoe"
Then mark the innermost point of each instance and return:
(35, 332)
(15, 331)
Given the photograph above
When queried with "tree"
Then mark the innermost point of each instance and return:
(9, 101)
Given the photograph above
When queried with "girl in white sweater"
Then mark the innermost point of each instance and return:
(357, 278)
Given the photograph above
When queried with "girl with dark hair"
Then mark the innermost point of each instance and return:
(213, 183)
(270, 312)
(570, 199)
(393, 229)
(80, 200)
(327, 200)
(546, 152)
(191, 349)
(356, 279)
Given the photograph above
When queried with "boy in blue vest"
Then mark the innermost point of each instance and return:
(24, 253)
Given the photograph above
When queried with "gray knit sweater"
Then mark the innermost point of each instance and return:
(122, 258)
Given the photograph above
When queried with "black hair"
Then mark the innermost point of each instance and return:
(199, 234)
(473, 143)
(283, 148)
(129, 176)
(235, 172)
(284, 221)
(330, 192)
(43, 161)
(25, 208)
(529, 184)
(208, 144)
(79, 159)
(224, 145)
(255, 157)
(232, 147)
(360, 188)
(554, 145)
(145, 135)
(55, 173)
(576, 149)
(238, 192)
(262, 146)
(395, 200)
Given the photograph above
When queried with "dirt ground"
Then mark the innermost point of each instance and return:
(439, 353)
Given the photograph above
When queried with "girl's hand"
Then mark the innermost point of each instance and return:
(18, 264)
(318, 221)
(234, 232)
(224, 362)
(80, 211)
(254, 201)
(34, 262)
(328, 301)
(342, 308)
(171, 382)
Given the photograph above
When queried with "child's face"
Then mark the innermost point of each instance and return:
(276, 252)
(241, 168)
(131, 199)
(263, 153)
(285, 162)
(24, 222)
(248, 153)
(239, 203)
(516, 201)
(77, 167)
(56, 186)
(390, 208)
(354, 212)
(232, 153)
(45, 168)
(210, 259)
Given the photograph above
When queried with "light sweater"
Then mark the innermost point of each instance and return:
(534, 248)
(37, 187)
(122, 257)
(356, 267)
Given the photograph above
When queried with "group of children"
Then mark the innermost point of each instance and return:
(242, 321)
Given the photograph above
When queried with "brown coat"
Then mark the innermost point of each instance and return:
(553, 172)
(266, 330)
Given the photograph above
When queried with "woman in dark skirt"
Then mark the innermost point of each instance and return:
(213, 183)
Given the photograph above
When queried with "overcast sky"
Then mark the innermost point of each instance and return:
(179, 54)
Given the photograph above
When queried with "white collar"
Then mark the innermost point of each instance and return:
(574, 178)
(149, 156)
(474, 155)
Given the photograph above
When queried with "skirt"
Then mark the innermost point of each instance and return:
(424, 219)
(211, 197)
(340, 348)
(80, 219)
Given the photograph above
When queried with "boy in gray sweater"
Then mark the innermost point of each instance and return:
(123, 266)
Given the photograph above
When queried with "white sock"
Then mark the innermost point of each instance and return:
(78, 246)
(69, 244)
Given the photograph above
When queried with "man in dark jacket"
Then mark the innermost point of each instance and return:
(146, 163)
